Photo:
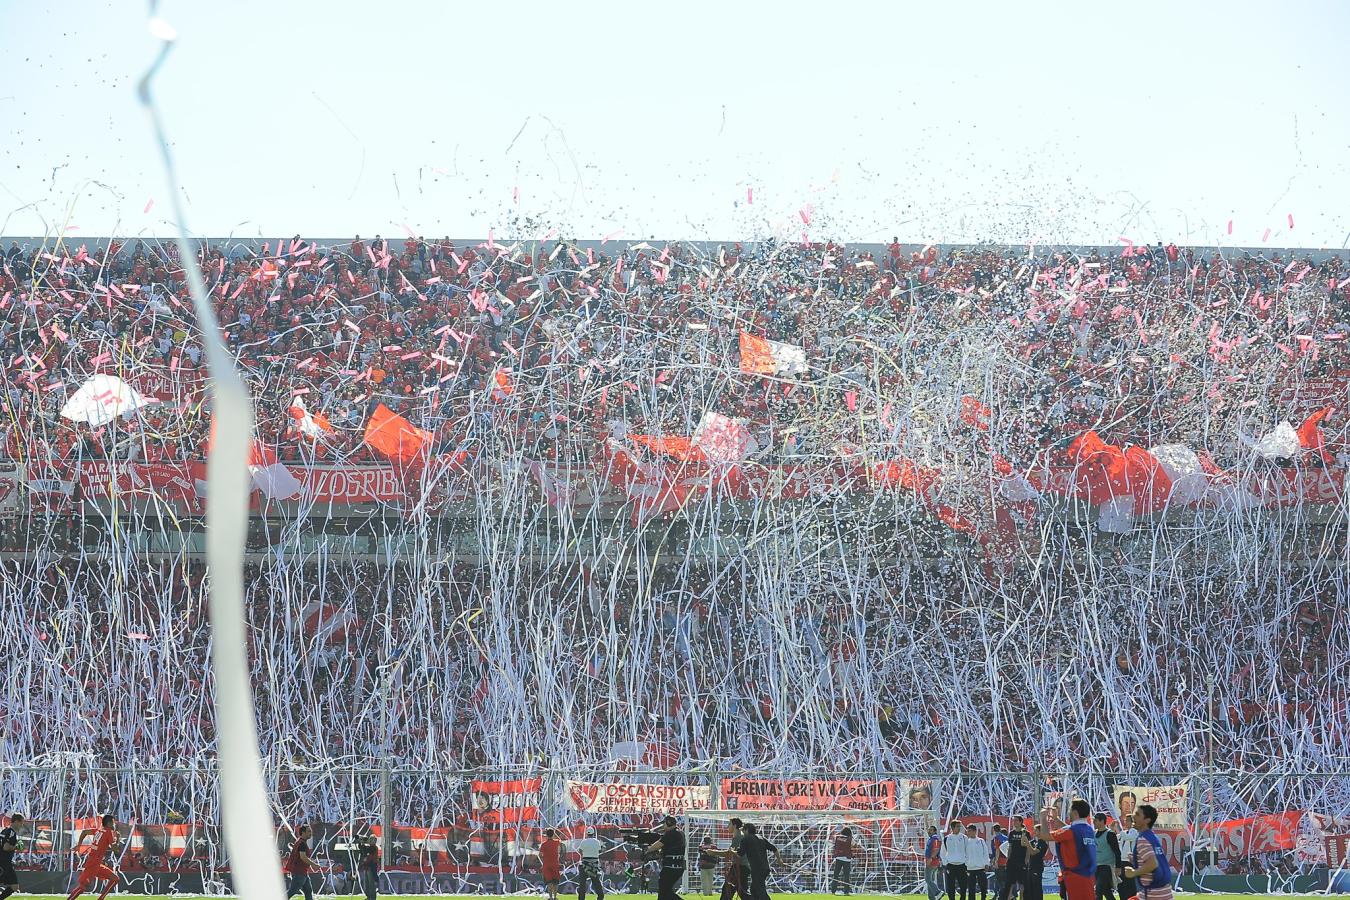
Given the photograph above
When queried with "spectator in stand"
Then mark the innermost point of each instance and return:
(425, 329)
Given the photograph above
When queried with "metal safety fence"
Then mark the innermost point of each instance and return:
(478, 831)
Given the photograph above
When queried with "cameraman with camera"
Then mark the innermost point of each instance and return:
(670, 844)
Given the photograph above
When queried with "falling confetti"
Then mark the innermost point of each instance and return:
(791, 397)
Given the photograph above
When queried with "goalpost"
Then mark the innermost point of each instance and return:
(890, 861)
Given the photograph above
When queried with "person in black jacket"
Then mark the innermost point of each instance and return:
(756, 850)
(1036, 849)
(9, 845)
(671, 846)
(1015, 872)
(368, 866)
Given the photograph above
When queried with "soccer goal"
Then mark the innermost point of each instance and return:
(888, 856)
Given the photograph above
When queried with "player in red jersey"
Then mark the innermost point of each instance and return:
(550, 858)
(298, 865)
(96, 866)
(1076, 847)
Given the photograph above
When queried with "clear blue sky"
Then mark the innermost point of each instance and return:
(1024, 121)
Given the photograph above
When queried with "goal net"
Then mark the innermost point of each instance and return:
(890, 860)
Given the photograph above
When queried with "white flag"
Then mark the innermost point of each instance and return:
(1190, 483)
(103, 398)
(1281, 443)
(723, 439)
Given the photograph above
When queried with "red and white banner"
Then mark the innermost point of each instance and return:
(623, 798)
(387, 484)
(803, 793)
(502, 802)
(1239, 838)
(1338, 851)
(97, 480)
(1307, 395)
(350, 485)
(11, 477)
(176, 482)
(169, 385)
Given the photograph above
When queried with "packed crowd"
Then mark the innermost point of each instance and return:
(835, 637)
(543, 348)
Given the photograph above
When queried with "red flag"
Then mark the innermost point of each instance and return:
(652, 489)
(269, 475)
(502, 386)
(763, 357)
(1310, 435)
(1104, 472)
(756, 356)
(394, 437)
(678, 447)
(312, 425)
(722, 439)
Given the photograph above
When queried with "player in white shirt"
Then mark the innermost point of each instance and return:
(1127, 838)
(588, 872)
(953, 857)
(977, 865)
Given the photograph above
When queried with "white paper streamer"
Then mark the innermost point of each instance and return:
(246, 810)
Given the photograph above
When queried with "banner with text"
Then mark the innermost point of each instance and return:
(803, 793)
(916, 795)
(1169, 800)
(1240, 838)
(503, 802)
(621, 798)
